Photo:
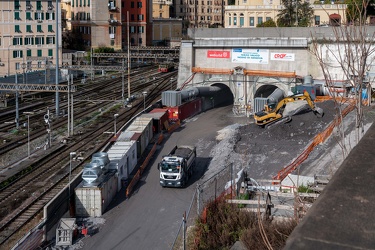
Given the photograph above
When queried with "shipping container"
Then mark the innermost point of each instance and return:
(159, 118)
(92, 201)
(143, 133)
(185, 110)
(123, 158)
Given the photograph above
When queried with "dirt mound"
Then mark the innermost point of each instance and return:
(269, 150)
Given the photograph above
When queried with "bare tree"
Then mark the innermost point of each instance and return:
(351, 49)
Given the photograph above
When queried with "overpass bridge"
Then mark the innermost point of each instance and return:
(250, 63)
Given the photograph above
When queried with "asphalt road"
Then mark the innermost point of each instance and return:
(151, 217)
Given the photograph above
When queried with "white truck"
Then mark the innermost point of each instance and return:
(176, 167)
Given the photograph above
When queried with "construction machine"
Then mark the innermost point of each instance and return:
(283, 111)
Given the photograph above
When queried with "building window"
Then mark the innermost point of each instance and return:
(28, 16)
(29, 41)
(139, 41)
(139, 4)
(28, 54)
(39, 5)
(39, 40)
(317, 20)
(17, 54)
(17, 40)
(132, 5)
(252, 21)
(112, 30)
(260, 20)
(160, 14)
(242, 21)
(268, 18)
(17, 5)
(230, 21)
(50, 52)
(50, 29)
(50, 40)
(39, 53)
(132, 17)
(140, 29)
(17, 29)
(17, 16)
(39, 16)
(50, 16)
(140, 17)
(28, 28)
(234, 21)
(160, 6)
(132, 29)
(39, 28)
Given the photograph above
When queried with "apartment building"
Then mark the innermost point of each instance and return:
(200, 13)
(162, 8)
(27, 35)
(248, 14)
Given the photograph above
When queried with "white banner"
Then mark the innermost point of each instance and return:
(259, 56)
(282, 56)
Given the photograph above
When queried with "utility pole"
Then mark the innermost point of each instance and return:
(127, 16)
(57, 58)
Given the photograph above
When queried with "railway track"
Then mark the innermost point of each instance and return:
(95, 95)
(52, 171)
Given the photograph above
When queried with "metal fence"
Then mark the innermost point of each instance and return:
(208, 190)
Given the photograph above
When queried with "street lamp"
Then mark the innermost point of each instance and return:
(171, 82)
(72, 154)
(115, 116)
(144, 100)
(28, 132)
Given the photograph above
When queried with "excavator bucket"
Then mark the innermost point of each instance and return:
(318, 112)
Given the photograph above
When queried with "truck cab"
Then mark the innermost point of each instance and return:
(175, 170)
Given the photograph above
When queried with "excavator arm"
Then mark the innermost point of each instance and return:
(276, 115)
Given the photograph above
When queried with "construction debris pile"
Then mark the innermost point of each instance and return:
(264, 152)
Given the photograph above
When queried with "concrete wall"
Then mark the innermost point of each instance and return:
(294, 43)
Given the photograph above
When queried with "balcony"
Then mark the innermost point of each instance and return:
(113, 21)
(112, 8)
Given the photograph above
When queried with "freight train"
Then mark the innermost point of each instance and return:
(166, 67)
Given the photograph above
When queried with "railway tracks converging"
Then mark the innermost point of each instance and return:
(22, 199)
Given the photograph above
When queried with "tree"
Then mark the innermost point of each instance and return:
(73, 40)
(351, 49)
(268, 23)
(295, 14)
(356, 9)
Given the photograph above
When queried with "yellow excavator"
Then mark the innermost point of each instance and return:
(283, 111)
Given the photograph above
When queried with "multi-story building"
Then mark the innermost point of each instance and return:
(200, 13)
(249, 14)
(27, 35)
(139, 14)
(162, 8)
(105, 22)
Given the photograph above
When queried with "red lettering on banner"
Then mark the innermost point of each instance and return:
(218, 54)
(279, 55)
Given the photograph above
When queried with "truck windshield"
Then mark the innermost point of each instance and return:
(170, 167)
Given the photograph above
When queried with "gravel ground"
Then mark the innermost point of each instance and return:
(264, 152)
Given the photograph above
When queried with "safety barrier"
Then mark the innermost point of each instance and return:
(321, 137)
(139, 173)
(174, 126)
